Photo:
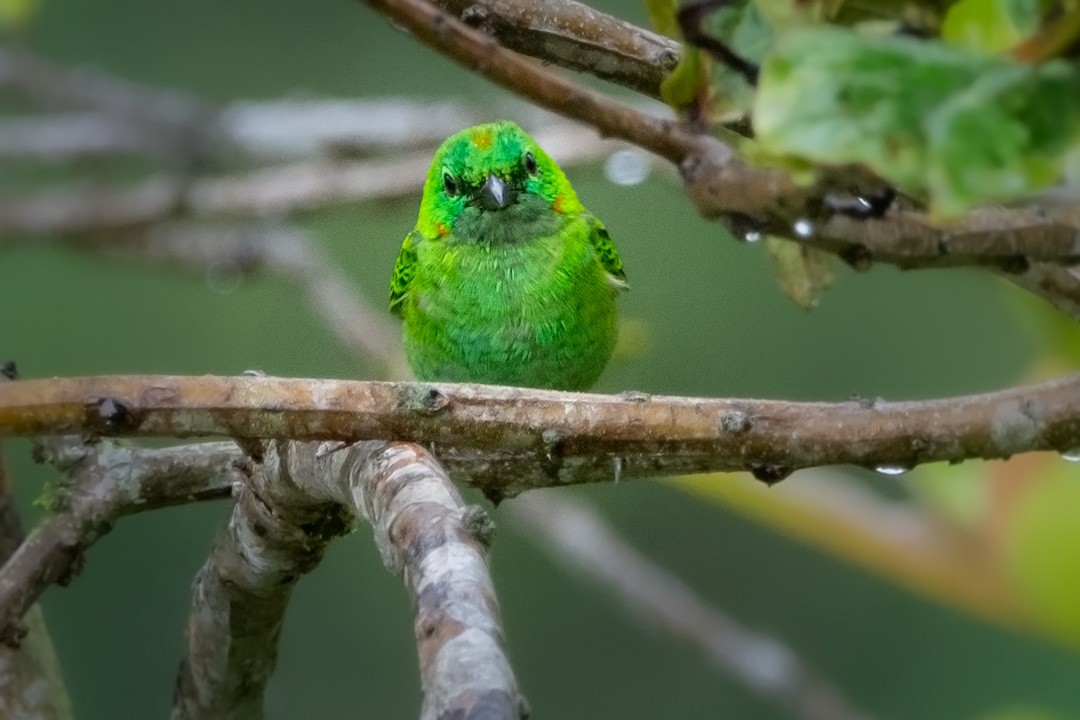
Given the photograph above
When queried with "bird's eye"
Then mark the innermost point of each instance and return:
(530, 163)
(449, 184)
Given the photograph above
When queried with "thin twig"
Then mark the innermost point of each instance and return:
(505, 440)
(579, 538)
(104, 482)
(260, 193)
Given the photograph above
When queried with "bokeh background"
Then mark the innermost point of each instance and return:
(712, 322)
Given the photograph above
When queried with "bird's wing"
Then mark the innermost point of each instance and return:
(404, 269)
(605, 250)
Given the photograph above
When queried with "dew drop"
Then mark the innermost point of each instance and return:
(627, 167)
(752, 236)
(803, 228)
(1071, 455)
(890, 470)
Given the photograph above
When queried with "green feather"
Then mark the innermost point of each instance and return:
(403, 274)
(516, 292)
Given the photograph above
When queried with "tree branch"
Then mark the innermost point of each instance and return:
(438, 545)
(104, 482)
(276, 533)
(576, 36)
(293, 505)
(765, 200)
(579, 538)
(265, 192)
(505, 440)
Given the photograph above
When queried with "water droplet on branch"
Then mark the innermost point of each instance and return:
(627, 167)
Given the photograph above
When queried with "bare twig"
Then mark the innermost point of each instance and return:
(169, 123)
(579, 538)
(265, 192)
(285, 129)
(579, 37)
(481, 53)
(104, 483)
(505, 440)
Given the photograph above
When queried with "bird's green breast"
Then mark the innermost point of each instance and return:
(539, 313)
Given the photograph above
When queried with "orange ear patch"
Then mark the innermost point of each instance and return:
(557, 205)
(482, 139)
(442, 230)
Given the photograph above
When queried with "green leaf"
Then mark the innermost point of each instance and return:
(744, 29)
(682, 86)
(804, 273)
(938, 122)
(662, 17)
(990, 26)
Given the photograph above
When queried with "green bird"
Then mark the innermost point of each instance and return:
(507, 278)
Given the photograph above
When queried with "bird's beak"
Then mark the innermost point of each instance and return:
(495, 194)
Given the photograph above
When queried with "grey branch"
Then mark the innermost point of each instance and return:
(579, 538)
(290, 508)
(102, 483)
(437, 544)
(505, 440)
(266, 192)
(274, 535)
(575, 36)
(98, 113)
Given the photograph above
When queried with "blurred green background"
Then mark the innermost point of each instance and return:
(716, 325)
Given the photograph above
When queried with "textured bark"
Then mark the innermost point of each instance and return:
(103, 483)
(580, 37)
(437, 544)
(275, 534)
(299, 499)
(505, 440)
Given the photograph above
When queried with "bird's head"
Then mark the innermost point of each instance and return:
(493, 184)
